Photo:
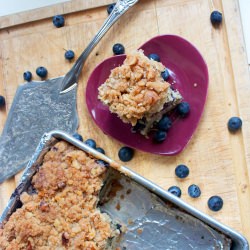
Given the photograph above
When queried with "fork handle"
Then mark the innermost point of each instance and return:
(71, 78)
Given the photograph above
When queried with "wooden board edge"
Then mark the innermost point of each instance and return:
(49, 11)
(240, 141)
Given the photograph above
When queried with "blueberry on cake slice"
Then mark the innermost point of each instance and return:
(137, 93)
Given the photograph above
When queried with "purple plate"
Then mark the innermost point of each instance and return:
(188, 74)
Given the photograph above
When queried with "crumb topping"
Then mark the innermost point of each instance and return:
(63, 213)
(135, 89)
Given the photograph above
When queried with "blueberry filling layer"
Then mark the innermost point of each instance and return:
(145, 124)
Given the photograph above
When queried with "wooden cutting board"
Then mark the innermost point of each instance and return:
(219, 162)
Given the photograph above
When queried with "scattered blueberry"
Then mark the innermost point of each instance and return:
(110, 8)
(126, 154)
(118, 49)
(101, 150)
(41, 71)
(160, 136)
(154, 57)
(2, 101)
(165, 123)
(183, 109)
(175, 191)
(77, 136)
(58, 21)
(194, 191)
(27, 76)
(182, 171)
(91, 143)
(234, 124)
(165, 74)
(216, 17)
(215, 203)
(69, 54)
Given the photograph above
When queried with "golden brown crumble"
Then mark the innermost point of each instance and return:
(63, 213)
(135, 89)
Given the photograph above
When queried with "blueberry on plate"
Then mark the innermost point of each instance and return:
(2, 101)
(194, 191)
(216, 17)
(27, 76)
(183, 109)
(110, 7)
(126, 154)
(69, 54)
(101, 150)
(91, 143)
(182, 171)
(41, 71)
(234, 124)
(58, 21)
(175, 191)
(77, 136)
(215, 203)
(118, 49)
(165, 74)
(154, 57)
(160, 136)
(165, 123)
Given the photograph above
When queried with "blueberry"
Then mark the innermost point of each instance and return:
(194, 191)
(154, 57)
(118, 49)
(165, 74)
(101, 150)
(215, 203)
(77, 136)
(175, 191)
(160, 136)
(216, 17)
(2, 101)
(58, 21)
(140, 125)
(183, 109)
(42, 72)
(126, 154)
(234, 124)
(103, 163)
(165, 123)
(27, 76)
(182, 171)
(118, 226)
(69, 54)
(91, 143)
(110, 8)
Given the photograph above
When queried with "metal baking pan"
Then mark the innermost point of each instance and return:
(152, 217)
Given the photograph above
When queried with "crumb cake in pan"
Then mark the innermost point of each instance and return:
(62, 213)
(137, 93)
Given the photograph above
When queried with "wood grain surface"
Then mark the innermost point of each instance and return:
(219, 162)
(49, 11)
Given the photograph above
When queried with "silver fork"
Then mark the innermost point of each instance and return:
(71, 78)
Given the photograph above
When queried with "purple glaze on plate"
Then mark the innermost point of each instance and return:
(188, 74)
